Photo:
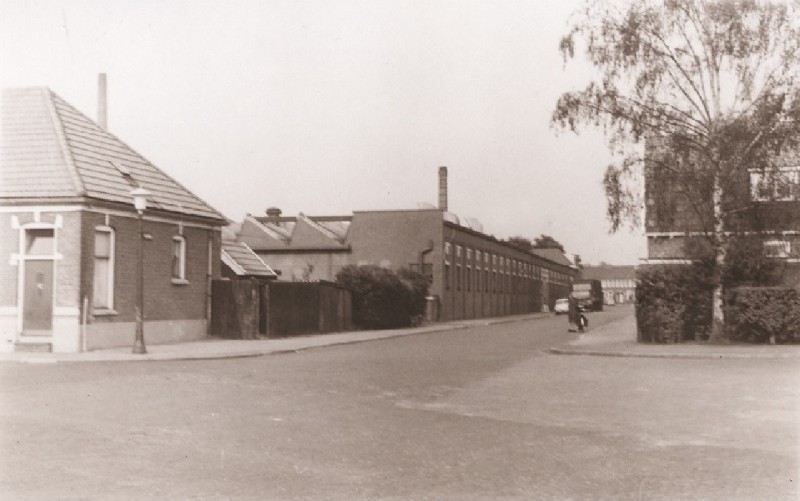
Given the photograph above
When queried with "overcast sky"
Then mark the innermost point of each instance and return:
(326, 107)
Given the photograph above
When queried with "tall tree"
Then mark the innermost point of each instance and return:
(714, 83)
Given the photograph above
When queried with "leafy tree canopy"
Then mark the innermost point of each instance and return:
(716, 79)
(547, 242)
(521, 243)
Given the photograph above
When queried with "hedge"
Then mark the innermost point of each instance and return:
(673, 303)
(763, 315)
(382, 299)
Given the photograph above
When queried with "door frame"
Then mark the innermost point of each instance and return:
(21, 258)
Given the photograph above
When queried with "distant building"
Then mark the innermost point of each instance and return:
(472, 274)
(69, 236)
(618, 282)
(766, 203)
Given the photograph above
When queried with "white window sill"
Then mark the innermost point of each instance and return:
(180, 281)
(104, 312)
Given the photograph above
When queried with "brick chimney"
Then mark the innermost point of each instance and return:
(443, 188)
(274, 213)
(102, 105)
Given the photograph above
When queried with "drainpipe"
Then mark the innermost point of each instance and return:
(422, 254)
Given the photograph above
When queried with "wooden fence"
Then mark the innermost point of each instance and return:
(235, 309)
(248, 309)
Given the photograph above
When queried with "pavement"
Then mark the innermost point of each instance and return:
(616, 339)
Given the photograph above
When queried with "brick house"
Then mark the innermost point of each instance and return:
(472, 274)
(69, 235)
(678, 215)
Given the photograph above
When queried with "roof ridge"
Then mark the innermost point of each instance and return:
(77, 179)
(325, 231)
(269, 231)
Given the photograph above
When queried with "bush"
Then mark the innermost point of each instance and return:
(382, 299)
(763, 315)
(673, 303)
(417, 289)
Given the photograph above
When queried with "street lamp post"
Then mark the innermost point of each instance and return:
(140, 202)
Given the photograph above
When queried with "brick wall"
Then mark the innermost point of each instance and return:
(164, 298)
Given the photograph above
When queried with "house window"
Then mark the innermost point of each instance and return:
(777, 248)
(103, 288)
(178, 258)
(779, 185)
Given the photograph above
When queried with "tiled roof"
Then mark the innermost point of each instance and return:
(244, 262)
(609, 272)
(52, 150)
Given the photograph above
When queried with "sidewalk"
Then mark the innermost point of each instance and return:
(213, 348)
(618, 339)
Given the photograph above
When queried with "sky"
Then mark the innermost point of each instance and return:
(328, 107)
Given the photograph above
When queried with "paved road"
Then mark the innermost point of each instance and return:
(480, 413)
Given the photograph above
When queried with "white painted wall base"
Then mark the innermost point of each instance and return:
(8, 328)
(121, 334)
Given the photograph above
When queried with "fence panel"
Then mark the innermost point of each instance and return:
(235, 309)
(298, 308)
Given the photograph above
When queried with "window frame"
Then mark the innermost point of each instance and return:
(111, 272)
(181, 278)
(759, 177)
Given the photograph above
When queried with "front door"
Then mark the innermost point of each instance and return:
(37, 319)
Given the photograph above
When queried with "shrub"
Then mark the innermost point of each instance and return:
(382, 299)
(763, 315)
(747, 264)
(673, 303)
(417, 289)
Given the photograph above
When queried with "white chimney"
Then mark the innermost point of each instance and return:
(102, 106)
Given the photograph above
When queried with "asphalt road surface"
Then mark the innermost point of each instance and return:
(480, 413)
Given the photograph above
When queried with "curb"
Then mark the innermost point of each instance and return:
(177, 357)
(694, 356)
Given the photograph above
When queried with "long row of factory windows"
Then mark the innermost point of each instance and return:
(462, 270)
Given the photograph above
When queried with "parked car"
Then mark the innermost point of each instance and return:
(562, 306)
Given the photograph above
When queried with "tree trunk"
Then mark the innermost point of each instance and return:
(717, 312)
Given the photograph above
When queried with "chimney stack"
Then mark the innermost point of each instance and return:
(443, 188)
(102, 107)
(273, 213)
